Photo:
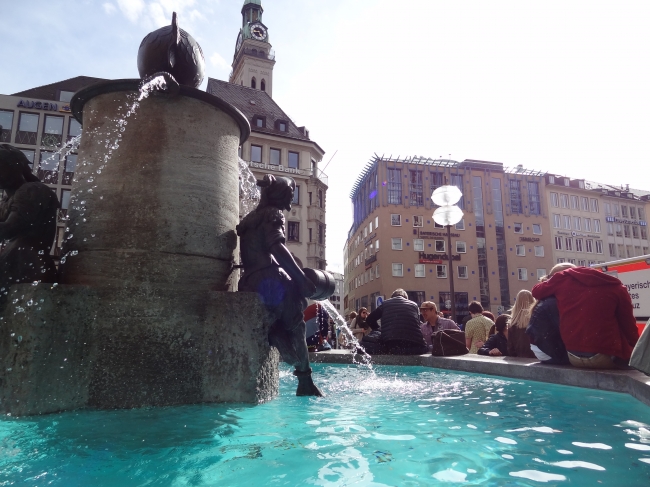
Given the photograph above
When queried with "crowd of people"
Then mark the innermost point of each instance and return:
(575, 315)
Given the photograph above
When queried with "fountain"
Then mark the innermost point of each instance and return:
(145, 312)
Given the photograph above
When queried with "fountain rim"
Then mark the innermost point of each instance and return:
(83, 96)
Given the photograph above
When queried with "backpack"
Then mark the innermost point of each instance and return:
(447, 343)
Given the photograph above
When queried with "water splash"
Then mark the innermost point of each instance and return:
(341, 325)
(249, 193)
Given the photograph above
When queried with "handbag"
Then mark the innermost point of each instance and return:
(640, 359)
(447, 343)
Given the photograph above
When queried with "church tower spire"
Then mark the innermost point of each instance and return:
(254, 59)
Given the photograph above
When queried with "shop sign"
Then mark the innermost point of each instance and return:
(529, 239)
(370, 260)
(436, 258)
(429, 235)
(38, 105)
(369, 239)
(275, 168)
(615, 219)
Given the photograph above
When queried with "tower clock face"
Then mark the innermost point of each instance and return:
(239, 42)
(258, 32)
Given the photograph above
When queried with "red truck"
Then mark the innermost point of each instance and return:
(634, 273)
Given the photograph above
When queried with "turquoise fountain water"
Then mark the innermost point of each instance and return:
(391, 426)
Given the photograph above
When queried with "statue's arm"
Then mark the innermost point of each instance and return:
(14, 225)
(286, 261)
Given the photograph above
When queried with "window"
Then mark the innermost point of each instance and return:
(27, 128)
(537, 229)
(377, 271)
(48, 169)
(396, 220)
(274, 158)
(574, 202)
(259, 122)
(556, 221)
(418, 221)
(29, 154)
(561, 260)
(296, 196)
(253, 83)
(624, 211)
(569, 244)
(376, 222)
(256, 153)
(398, 270)
(6, 122)
(582, 263)
(608, 209)
(594, 205)
(539, 251)
(589, 246)
(418, 245)
(370, 227)
(576, 223)
(519, 228)
(635, 231)
(415, 188)
(567, 222)
(65, 199)
(645, 251)
(52, 131)
(440, 246)
(515, 196)
(311, 240)
(630, 252)
(394, 186)
(376, 245)
(610, 229)
(74, 128)
(621, 250)
(572, 261)
(555, 201)
(633, 212)
(461, 247)
(540, 273)
(460, 225)
(282, 126)
(521, 250)
(558, 243)
(462, 272)
(320, 198)
(534, 200)
(321, 234)
(641, 214)
(579, 245)
(616, 210)
(70, 166)
(293, 160)
(293, 234)
(644, 233)
(522, 274)
(419, 270)
(441, 271)
(396, 243)
(596, 226)
(599, 246)
(626, 229)
(437, 225)
(587, 222)
(564, 200)
(584, 203)
(612, 250)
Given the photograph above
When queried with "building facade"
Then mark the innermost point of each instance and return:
(501, 246)
(38, 121)
(276, 145)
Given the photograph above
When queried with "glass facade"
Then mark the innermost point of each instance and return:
(484, 284)
(502, 259)
(515, 196)
(394, 181)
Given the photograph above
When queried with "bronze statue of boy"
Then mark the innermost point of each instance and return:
(28, 212)
(271, 271)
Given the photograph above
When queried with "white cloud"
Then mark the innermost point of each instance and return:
(132, 9)
(217, 60)
(109, 8)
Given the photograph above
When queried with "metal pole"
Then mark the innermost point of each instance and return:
(451, 276)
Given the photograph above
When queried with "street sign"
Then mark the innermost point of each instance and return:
(379, 300)
(448, 304)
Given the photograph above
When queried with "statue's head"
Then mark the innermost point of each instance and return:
(14, 167)
(277, 191)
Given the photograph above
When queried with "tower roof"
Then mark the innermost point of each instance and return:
(256, 2)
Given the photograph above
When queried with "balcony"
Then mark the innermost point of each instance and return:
(321, 176)
(315, 250)
(315, 213)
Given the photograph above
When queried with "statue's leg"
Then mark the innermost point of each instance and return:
(280, 338)
(306, 386)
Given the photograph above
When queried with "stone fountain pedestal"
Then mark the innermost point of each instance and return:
(144, 314)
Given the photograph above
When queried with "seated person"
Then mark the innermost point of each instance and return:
(359, 326)
(497, 344)
(518, 341)
(400, 327)
(544, 333)
(316, 328)
(597, 322)
(433, 322)
(477, 329)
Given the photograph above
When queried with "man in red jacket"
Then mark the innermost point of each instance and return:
(597, 322)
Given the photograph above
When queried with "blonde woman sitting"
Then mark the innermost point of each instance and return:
(518, 341)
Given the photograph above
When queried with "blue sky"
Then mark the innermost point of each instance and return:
(553, 85)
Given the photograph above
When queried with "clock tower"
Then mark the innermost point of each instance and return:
(254, 59)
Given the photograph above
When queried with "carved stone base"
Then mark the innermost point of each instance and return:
(71, 347)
